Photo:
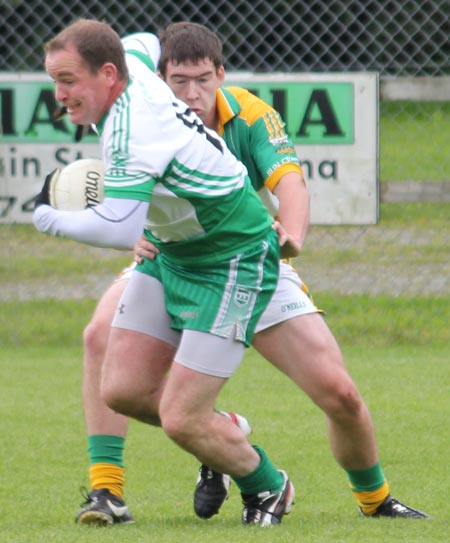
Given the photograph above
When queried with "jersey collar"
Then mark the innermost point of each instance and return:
(99, 126)
(227, 108)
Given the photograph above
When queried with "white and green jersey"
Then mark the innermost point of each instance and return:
(202, 205)
(165, 169)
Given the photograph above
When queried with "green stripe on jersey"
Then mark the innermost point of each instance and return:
(231, 224)
(185, 181)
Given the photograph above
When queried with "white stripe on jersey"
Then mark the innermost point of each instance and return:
(193, 181)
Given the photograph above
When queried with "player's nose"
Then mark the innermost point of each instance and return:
(60, 94)
(192, 90)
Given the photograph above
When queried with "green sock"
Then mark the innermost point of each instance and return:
(364, 480)
(264, 477)
(106, 449)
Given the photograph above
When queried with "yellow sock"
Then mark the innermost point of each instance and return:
(370, 500)
(108, 476)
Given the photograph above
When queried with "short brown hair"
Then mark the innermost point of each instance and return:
(96, 43)
(189, 42)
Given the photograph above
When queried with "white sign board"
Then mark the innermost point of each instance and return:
(331, 118)
(333, 121)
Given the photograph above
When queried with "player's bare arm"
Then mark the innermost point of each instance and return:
(293, 213)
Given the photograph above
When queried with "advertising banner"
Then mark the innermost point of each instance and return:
(331, 118)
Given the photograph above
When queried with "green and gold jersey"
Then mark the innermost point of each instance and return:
(203, 208)
(255, 133)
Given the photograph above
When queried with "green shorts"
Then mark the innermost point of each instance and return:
(225, 299)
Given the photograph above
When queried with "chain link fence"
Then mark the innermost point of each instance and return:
(394, 38)
(397, 38)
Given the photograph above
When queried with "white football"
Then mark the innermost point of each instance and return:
(78, 185)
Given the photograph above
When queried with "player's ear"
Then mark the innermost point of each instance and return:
(220, 75)
(109, 72)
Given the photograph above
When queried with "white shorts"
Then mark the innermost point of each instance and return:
(290, 299)
(145, 295)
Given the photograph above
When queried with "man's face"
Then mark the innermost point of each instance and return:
(196, 85)
(86, 95)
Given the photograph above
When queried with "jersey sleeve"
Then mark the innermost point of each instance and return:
(114, 223)
(266, 148)
(145, 44)
(271, 148)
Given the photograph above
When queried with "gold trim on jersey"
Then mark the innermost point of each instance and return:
(224, 111)
(272, 181)
(252, 108)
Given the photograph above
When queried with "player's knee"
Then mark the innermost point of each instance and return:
(116, 397)
(95, 338)
(119, 396)
(176, 426)
(172, 426)
(344, 402)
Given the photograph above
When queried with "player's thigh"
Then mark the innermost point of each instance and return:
(202, 365)
(96, 333)
(305, 349)
(135, 364)
(142, 308)
(106, 306)
(141, 342)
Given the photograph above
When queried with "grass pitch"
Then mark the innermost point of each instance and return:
(395, 347)
(44, 458)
